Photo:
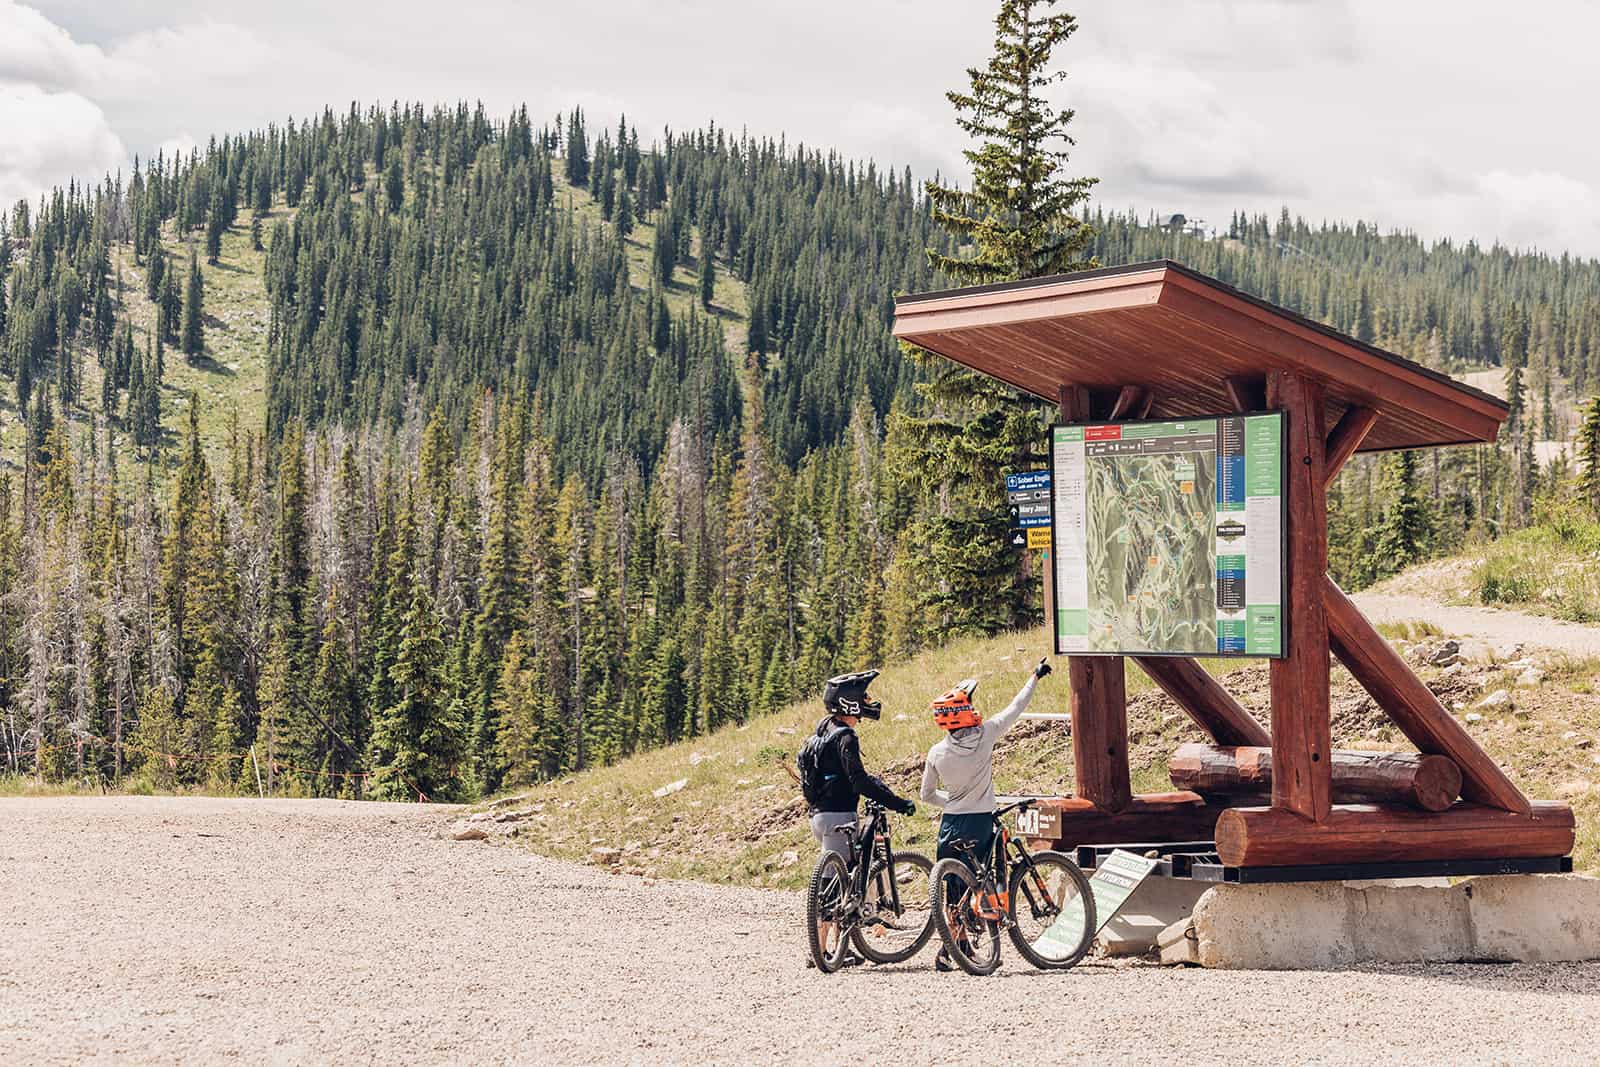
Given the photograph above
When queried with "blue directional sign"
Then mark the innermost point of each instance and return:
(1027, 481)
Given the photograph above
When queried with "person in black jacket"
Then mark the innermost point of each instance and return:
(844, 779)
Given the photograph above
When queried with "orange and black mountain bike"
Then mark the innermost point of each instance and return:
(876, 903)
(1041, 899)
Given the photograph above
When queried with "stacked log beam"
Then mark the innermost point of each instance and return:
(1370, 833)
(1426, 782)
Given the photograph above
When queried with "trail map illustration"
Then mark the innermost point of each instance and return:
(1152, 562)
(1168, 537)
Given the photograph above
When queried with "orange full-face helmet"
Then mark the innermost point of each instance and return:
(954, 709)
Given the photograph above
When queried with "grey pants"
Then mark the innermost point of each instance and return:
(828, 828)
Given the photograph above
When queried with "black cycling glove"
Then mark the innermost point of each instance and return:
(907, 808)
(1042, 669)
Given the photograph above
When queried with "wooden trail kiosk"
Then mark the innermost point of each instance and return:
(1159, 340)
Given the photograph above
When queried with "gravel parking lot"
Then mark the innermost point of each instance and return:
(159, 930)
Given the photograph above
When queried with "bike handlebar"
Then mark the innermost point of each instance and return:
(1022, 805)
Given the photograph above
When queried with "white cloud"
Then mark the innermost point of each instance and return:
(1168, 131)
(35, 51)
(1340, 109)
(178, 146)
(51, 135)
(1540, 209)
(199, 53)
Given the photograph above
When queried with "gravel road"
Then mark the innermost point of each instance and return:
(1493, 624)
(158, 930)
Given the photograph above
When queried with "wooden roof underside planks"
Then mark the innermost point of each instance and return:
(1182, 334)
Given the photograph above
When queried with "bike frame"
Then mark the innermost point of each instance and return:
(869, 841)
(992, 870)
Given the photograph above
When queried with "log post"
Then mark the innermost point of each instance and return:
(1411, 704)
(1425, 782)
(1369, 833)
(1301, 735)
(1202, 697)
(1100, 730)
(1099, 701)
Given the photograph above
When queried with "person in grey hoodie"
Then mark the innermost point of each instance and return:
(959, 773)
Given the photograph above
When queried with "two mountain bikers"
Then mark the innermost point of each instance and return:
(885, 903)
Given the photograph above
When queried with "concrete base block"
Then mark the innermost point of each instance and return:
(1535, 918)
(1273, 926)
(1154, 906)
(1178, 943)
(1331, 924)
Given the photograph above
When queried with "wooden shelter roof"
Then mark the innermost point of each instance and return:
(1182, 335)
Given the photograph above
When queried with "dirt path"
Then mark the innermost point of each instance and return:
(197, 930)
(1494, 624)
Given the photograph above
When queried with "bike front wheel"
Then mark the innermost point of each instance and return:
(973, 942)
(1052, 911)
(826, 914)
(897, 917)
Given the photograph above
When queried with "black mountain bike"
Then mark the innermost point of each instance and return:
(973, 900)
(878, 902)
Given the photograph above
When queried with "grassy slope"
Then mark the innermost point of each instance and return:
(1544, 569)
(233, 372)
(231, 375)
(739, 815)
(729, 302)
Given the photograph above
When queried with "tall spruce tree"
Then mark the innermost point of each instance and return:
(1589, 456)
(1020, 219)
(1406, 529)
(193, 340)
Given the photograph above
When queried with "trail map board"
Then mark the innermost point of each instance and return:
(1169, 536)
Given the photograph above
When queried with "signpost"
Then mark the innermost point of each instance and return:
(1028, 501)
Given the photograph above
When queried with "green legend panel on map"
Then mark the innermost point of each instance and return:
(1169, 536)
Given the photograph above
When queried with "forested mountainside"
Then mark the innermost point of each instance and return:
(413, 452)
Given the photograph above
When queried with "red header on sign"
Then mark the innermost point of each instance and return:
(1102, 433)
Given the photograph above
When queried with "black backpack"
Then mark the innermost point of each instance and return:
(809, 762)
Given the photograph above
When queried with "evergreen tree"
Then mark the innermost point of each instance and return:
(665, 252)
(419, 741)
(1018, 221)
(170, 307)
(158, 737)
(333, 704)
(1403, 535)
(216, 223)
(624, 213)
(708, 277)
(155, 273)
(193, 341)
(577, 150)
(524, 708)
(394, 187)
(1019, 218)
(1588, 445)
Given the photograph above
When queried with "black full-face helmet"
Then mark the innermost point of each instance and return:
(847, 695)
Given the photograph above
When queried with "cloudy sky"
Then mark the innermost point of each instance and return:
(1463, 120)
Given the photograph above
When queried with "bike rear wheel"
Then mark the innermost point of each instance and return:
(1052, 911)
(973, 943)
(827, 935)
(891, 934)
